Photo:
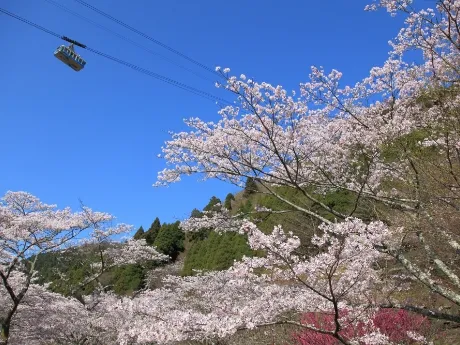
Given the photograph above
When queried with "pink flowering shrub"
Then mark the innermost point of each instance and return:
(324, 322)
(397, 325)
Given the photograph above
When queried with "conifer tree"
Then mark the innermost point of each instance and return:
(213, 204)
(139, 233)
(196, 213)
(228, 201)
(170, 240)
(250, 187)
(153, 231)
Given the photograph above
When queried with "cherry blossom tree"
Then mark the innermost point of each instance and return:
(391, 142)
(28, 228)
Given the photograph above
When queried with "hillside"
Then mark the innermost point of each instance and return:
(67, 269)
(207, 250)
(426, 178)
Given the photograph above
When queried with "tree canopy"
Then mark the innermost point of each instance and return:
(170, 240)
(152, 233)
(139, 233)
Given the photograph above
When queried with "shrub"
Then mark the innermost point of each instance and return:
(395, 324)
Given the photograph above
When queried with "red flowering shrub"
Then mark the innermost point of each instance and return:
(393, 323)
(396, 323)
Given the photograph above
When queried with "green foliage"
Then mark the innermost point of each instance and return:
(170, 240)
(250, 187)
(228, 201)
(301, 224)
(196, 213)
(47, 264)
(409, 143)
(435, 95)
(153, 231)
(200, 235)
(75, 264)
(246, 207)
(216, 252)
(127, 279)
(341, 201)
(212, 251)
(213, 204)
(139, 233)
(206, 250)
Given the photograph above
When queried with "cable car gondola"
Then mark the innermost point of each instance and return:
(68, 56)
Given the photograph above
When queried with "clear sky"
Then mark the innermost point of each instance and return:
(94, 135)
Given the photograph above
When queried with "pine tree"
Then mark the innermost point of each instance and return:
(139, 233)
(153, 231)
(250, 187)
(170, 240)
(196, 213)
(228, 201)
(214, 204)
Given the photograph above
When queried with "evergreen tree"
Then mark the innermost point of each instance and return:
(170, 240)
(214, 204)
(228, 201)
(153, 231)
(139, 233)
(196, 213)
(128, 278)
(216, 252)
(250, 187)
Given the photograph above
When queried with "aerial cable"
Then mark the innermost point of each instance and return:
(160, 77)
(199, 64)
(30, 23)
(76, 14)
(157, 76)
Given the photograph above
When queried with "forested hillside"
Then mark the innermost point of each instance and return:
(205, 250)
(65, 270)
(202, 251)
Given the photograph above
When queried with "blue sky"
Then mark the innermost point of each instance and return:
(95, 134)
